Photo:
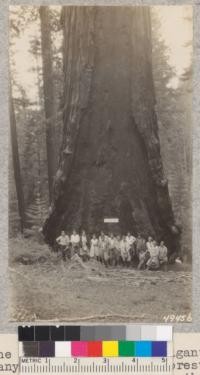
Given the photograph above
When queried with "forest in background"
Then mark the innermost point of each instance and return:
(32, 133)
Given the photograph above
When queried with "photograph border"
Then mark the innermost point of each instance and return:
(5, 326)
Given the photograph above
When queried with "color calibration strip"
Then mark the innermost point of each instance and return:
(95, 341)
(95, 333)
(94, 349)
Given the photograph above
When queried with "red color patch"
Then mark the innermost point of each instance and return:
(94, 349)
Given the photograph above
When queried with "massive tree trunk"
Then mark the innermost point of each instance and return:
(16, 166)
(110, 163)
(49, 99)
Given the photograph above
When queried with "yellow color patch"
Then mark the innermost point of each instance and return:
(110, 348)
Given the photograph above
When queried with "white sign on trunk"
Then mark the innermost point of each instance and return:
(111, 220)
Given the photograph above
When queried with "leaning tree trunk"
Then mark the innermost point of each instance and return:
(16, 166)
(49, 99)
(110, 163)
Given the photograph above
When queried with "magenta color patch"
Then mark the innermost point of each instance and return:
(79, 348)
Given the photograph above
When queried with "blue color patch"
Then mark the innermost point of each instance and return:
(143, 349)
(159, 349)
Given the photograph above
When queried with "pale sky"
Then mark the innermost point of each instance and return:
(175, 30)
(25, 61)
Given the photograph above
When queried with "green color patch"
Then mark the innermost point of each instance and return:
(126, 348)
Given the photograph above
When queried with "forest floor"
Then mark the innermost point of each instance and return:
(71, 292)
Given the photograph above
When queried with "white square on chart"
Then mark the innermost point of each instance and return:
(63, 349)
(164, 333)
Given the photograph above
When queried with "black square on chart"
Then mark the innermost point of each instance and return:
(57, 333)
(42, 333)
(72, 333)
(31, 349)
(26, 333)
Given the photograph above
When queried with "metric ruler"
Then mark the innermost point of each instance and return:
(93, 366)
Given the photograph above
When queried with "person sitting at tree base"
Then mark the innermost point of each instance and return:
(141, 251)
(163, 258)
(94, 250)
(125, 254)
(111, 249)
(117, 253)
(84, 251)
(75, 241)
(63, 242)
(130, 244)
(153, 262)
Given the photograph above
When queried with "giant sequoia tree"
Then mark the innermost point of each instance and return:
(110, 162)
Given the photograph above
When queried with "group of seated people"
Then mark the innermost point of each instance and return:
(113, 250)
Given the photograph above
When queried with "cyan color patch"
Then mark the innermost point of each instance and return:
(143, 349)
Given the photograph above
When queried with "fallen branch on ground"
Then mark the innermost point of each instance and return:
(95, 317)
